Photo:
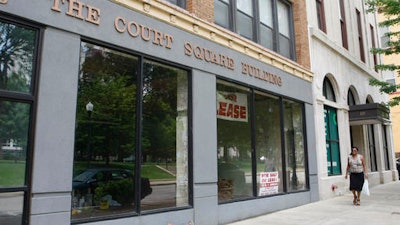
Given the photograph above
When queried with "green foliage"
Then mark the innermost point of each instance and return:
(122, 191)
(390, 9)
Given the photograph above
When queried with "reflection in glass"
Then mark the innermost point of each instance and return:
(165, 135)
(105, 143)
(268, 144)
(107, 147)
(11, 206)
(17, 45)
(14, 125)
(221, 13)
(234, 142)
(294, 146)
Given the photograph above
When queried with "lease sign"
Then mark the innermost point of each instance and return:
(232, 106)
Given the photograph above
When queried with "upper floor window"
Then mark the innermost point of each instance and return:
(267, 22)
(180, 3)
(328, 91)
(321, 15)
(360, 35)
(375, 57)
(351, 100)
(343, 27)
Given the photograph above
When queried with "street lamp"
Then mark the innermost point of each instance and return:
(89, 109)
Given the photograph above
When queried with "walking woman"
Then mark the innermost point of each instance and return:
(356, 167)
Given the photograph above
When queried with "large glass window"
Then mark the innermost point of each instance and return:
(268, 144)
(295, 150)
(234, 142)
(131, 144)
(18, 54)
(251, 149)
(272, 27)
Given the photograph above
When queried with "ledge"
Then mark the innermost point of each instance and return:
(182, 19)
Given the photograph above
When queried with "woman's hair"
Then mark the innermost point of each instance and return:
(351, 152)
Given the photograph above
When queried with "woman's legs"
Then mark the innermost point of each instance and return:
(358, 197)
(355, 197)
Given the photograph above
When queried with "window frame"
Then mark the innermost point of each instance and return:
(284, 178)
(31, 99)
(343, 25)
(374, 55)
(180, 3)
(360, 36)
(320, 9)
(143, 59)
(232, 17)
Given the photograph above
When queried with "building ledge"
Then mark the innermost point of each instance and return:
(184, 20)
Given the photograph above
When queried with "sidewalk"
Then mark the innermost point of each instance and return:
(382, 207)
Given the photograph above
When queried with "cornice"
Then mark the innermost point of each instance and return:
(182, 19)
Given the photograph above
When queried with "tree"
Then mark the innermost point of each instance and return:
(390, 9)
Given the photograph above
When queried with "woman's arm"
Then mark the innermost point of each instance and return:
(364, 167)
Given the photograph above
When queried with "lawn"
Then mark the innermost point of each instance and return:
(149, 170)
(12, 173)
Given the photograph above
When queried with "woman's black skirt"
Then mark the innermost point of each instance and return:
(356, 181)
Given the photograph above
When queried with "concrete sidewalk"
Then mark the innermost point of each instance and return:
(382, 207)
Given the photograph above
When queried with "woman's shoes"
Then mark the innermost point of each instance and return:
(355, 201)
(358, 202)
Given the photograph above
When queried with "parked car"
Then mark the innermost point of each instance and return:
(398, 166)
(90, 179)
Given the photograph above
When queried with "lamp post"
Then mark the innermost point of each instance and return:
(89, 109)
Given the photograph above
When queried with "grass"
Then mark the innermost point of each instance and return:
(12, 173)
(149, 170)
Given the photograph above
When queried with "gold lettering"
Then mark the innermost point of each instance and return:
(93, 15)
(146, 33)
(158, 38)
(136, 27)
(146, 38)
(169, 40)
(207, 55)
(188, 48)
(56, 5)
(116, 26)
(75, 6)
(231, 64)
(198, 52)
(223, 61)
(244, 68)
(214, 57)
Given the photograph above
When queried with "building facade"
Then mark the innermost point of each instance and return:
(347, 108)
(154, 112)
(176, 112)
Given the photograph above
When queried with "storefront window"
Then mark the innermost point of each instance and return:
(268, 144)
(131, 145)
(252, 157)
(296, 173)
(17, 67)
(165, 135)
(234, 142)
